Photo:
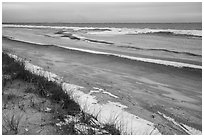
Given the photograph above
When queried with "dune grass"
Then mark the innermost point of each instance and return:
(52, 91)
(12, 123)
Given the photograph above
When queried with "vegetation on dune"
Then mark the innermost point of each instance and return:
(69, 117)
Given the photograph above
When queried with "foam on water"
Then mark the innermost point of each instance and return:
(115, 31)
(148, 60)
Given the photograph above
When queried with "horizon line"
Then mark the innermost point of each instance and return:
(97, 22)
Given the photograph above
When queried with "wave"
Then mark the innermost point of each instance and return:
(165, 50)
(99, 41)
(54, 27)
(146, 60)
(77, 37)
(176, 33)
(125, 31)
(117, 31)
(71, 36)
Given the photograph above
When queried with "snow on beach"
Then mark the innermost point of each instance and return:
(109, 113)
(186, 128)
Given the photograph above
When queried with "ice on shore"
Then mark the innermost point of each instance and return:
(99, 90)
(186, 128)
(110, 113)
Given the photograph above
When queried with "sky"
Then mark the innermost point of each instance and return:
(133, 12)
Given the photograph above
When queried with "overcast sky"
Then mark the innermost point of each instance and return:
(102, 12)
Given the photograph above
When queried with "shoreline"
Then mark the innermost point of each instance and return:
(80, 67)
(34, 105)
(89, 105)
(142, 59)
(144, 46)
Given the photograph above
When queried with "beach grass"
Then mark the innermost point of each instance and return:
(12, 123)
(43, 88)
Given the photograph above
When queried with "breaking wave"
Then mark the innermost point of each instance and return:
(117, 31)
(135, 31)
(165, 50)
(77, 37)
(147, 60)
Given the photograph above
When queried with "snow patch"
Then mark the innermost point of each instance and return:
(109, 113)
(98, 90)
(117, 104)
(186, 128)
(110, 94)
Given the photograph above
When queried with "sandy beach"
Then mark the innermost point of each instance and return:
(169, 97)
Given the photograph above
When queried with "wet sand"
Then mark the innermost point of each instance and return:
(147, 89)
(49, 37)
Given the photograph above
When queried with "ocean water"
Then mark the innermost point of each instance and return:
(174, 44)
(186, 29)
(178, 26)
